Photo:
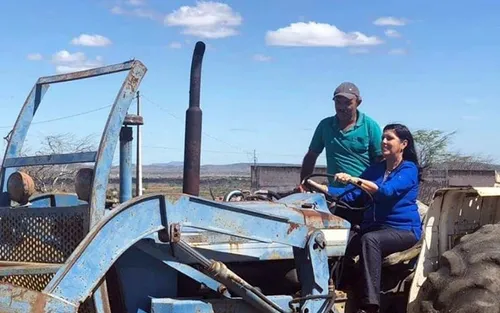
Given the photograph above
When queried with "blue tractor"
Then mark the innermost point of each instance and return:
(75, 253)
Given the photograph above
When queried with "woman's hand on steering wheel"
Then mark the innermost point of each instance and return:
(344, 178)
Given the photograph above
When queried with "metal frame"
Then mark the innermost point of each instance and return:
(103, 157)
(158, 227)
(153, 217)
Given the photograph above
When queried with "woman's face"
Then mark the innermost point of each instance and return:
(391, 144)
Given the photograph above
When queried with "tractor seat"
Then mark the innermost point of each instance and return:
(20, 187)
(408, 254)
(403, 256)
(83, 183)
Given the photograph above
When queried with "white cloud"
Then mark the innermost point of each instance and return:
(35, 57)
(390, 21)
(398, 51)
(318, 35)
(175, 45)
(392, 33)
(261, 58)
(206, 19)
(71, 62)
(64, 56)
(137, 12)
(91, 41)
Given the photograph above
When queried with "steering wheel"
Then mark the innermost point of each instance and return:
(336, 200)
(265, 195)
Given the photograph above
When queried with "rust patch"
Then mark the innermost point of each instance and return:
(317, 219)
(133, 119)
(175, 232)
(132, 82)
(39, 303)
(292, 227)
(36, 300)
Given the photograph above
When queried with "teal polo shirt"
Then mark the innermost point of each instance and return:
(350, 151)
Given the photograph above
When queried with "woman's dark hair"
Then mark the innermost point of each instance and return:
(410, 152)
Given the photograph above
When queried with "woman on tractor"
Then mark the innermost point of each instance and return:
(392, 223)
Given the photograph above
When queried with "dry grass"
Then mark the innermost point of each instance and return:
(172, 188)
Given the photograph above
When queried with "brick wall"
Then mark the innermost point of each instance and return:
(279, 178)
(287, 177)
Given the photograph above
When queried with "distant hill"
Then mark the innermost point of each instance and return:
(169, 164)
(176, 169)
(172, 169)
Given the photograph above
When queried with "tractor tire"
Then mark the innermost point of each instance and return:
(468, 280)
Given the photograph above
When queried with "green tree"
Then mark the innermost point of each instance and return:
(433, 149)
(435, 153)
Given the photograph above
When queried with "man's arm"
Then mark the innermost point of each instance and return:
(315, 148)
(308, 164)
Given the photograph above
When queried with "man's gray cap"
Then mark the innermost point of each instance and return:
(348, 90)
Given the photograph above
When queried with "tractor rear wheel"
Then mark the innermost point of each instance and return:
(468, 278)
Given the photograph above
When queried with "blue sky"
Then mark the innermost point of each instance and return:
(268, 73)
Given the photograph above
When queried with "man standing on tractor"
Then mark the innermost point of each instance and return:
(351, 138)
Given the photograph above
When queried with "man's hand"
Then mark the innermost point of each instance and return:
(302, 188)
(317, 186)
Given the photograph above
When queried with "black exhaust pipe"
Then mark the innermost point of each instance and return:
(192, 140)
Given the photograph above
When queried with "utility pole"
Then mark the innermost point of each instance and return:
(138, 176)
(253, 172)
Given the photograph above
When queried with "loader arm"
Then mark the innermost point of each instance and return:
(154, 217)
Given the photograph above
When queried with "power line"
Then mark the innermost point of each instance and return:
(145, 98)
(62, 117)
(227, 152)
(243, 151)
(67, 116)
(159, 107)
(202, 150)
(203, 132)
